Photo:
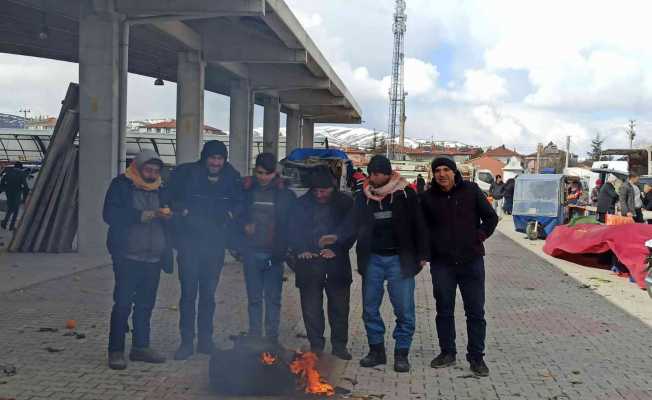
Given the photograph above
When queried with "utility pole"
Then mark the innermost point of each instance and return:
(568, 154)
(631, 132)
(25, 111)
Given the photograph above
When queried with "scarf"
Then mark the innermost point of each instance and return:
(134, 176)
(396, 184)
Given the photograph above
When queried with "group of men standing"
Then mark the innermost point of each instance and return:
(629, 198)
(206, 208)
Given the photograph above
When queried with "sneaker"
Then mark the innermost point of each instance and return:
(479, 368)
(184, 351)
(205, 347)
(401, 362)
(147, 355)
(443, 360)
(117, 360)
(342, 353)
(375, 357)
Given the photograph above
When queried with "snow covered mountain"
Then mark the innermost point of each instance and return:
(11, 121)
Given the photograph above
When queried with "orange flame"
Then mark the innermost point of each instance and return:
(268, 359)
(304, 365)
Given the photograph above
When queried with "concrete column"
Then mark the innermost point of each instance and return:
(124, 78)
(99, 116)
(271, 125)
(292, 131)
(190, 106)
(308, 134)
(240, 126)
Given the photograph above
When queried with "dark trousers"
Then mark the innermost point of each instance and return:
(312, 308)
(199, 274)
(13, 206)
(136, 285)
(638, 216)
(470, 278)
(264, 280)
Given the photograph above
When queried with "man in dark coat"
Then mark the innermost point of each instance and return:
(460, 219)
(497, 192)
(14, 184)
(268, 207)
(421, 184)
(392, 246)
(139, 246)
(508, 190)
(607, 199)
(323, 267)
(207, 197)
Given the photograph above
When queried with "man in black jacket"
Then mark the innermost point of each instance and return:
(607, 199)
(14, 184)
(206, 195)
(460, 219)
(392, 246)
(324, 267)
(139, 247)
(268, 204)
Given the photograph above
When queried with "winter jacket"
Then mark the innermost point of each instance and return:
(284, 203)
(607, 199)
(124, 219)
(647, 201)
(409, 227)
(459, 221)
(206, 210)
(627, 199)
(497, 190)
(14, 184)
(508, 189)
(304, 237)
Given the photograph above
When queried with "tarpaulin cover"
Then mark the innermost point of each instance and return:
(548, 223)
(303, 154)
(627, 242)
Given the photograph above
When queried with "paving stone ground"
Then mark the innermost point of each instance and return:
(548, 338)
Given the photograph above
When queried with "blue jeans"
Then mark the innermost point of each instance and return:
(470, 278)
(264, 281)
(136, 285)
(401, 295)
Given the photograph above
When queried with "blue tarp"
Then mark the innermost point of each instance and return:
(303, 154)
(548, 223)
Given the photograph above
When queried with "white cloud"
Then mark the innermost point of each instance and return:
(481, 86)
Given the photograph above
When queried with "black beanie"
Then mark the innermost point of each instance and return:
(214, 148)
(322, 178)
(266, 161)
(380, 164)
(443, 161)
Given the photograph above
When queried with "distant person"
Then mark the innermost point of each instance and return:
(508, 190)
(497, 191)
(460, 219)
(596, 192)
(421, 184)
(265, 221)
(323, 266)
(573, 198)
(14, 184)
(647, 200)
(139, 248)
(359, 178)
(207, 196)
(607, 199)
(631, 203)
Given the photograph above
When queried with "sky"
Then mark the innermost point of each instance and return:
(483, 72)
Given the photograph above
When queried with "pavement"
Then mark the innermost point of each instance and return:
(553, 333)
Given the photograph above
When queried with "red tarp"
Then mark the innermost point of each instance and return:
(627, 242)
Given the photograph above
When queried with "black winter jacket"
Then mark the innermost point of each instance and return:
(120, 214)
(607, 199)
(459, 221)
(409, 227)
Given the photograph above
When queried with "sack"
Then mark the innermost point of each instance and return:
(618, 220)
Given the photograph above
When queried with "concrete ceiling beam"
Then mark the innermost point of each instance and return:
(181, 32)
(207, 8)
(311, 98)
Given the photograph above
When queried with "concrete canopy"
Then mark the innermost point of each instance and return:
(257, 40)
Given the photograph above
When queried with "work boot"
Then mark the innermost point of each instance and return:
(117, 360)
(185, 350)
(478, 367)
(205, 347)
(375, 357)
(342, 353)
(443, 360)
(401, 362)
(147, 355)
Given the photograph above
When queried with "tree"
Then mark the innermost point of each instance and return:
(596, 147)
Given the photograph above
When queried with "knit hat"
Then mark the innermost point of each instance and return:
(443, 161)
(147, 156)
(214, 148)
(379, 164)
(322, 178)
(266, 161)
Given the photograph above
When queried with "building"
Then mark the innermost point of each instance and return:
(490, 163)
(550, 158)
(41, 124)
(170, 127)
(503, 154)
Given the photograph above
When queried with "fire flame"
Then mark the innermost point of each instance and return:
(268, 359)
(304, 365)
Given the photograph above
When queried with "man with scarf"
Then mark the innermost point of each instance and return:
(268, 204)
(392, 246)
(324, 267)
(139, 247)
(460, 219)
(206, 195)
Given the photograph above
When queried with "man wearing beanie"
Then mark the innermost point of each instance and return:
(205, 195)
(323, 267)
(460, 219)
(392, 246)
(268, 205)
